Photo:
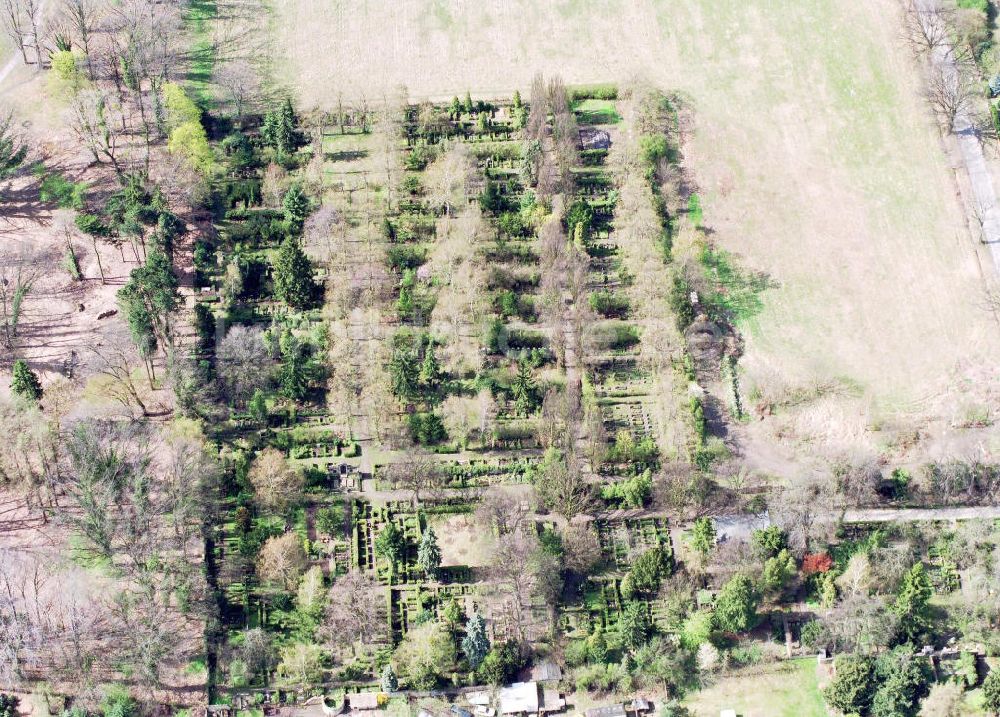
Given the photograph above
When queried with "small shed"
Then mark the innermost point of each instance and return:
(480, 697)
(545, 671)
(739, 528)
(552, 701)
(363, 701)
(519, 698)
(617, 710)
(592, 138)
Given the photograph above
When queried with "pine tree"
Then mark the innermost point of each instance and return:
(25, 382)
(468, 103)
(278, 130)
(295, 206)
(293, 276)
(703, 536)
(389, 681)
(430, 369)
(429, 554)
(517, 99)
(991, 692)
(475, 644)
(523, 390)
(403, 375)
(148, 298)
(736, 605)
(456, 108)
(257, 408)
(911, 603)
(634, 625)
(293, 368)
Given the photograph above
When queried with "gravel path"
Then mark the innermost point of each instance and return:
(910, 515)
(984, 193)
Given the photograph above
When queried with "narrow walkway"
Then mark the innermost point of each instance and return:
(984, 193)
(912, 515)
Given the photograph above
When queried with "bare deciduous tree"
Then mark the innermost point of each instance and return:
(274, 481)
(501, 512)
(118, 359)
(282, 560)
(562, 486)
(244, 363)
(448, 178)
(925, 25)
(951, 94)
(241, 84)
(22, 22)
(355, 612)
(83, 18)
(582, 550)
(94, 120)
(420, 474)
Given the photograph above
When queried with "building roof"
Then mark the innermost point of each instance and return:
(593, 138)
(546, 670)
(739, 528)
(552, 701)
(480, 697)
(363, 700)
(519, 697)
(617, 710)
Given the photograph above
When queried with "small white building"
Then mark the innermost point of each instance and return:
(519, 698)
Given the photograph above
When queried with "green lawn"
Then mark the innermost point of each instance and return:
(786, 689)
(596, 112)
(198, 20)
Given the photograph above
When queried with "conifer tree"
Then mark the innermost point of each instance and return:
(293, 275)
(430, 369)
(911, 602)
(295, 206)
(475, 644)
(389, 681)
(25, 382)
(523, 390)
(429, 554)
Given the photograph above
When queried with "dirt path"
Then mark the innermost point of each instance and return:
(984, 193)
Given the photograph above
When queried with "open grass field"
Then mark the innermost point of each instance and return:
(816, 160)
(788, 689)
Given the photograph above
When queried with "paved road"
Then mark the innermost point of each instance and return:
(984, 193)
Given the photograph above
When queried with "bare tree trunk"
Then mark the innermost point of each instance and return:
(33, 10)
(97, 255)
(13, 20)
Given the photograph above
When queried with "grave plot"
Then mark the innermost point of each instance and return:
(622, 539)
(471, 473)
(415, 604)
(396, 564)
